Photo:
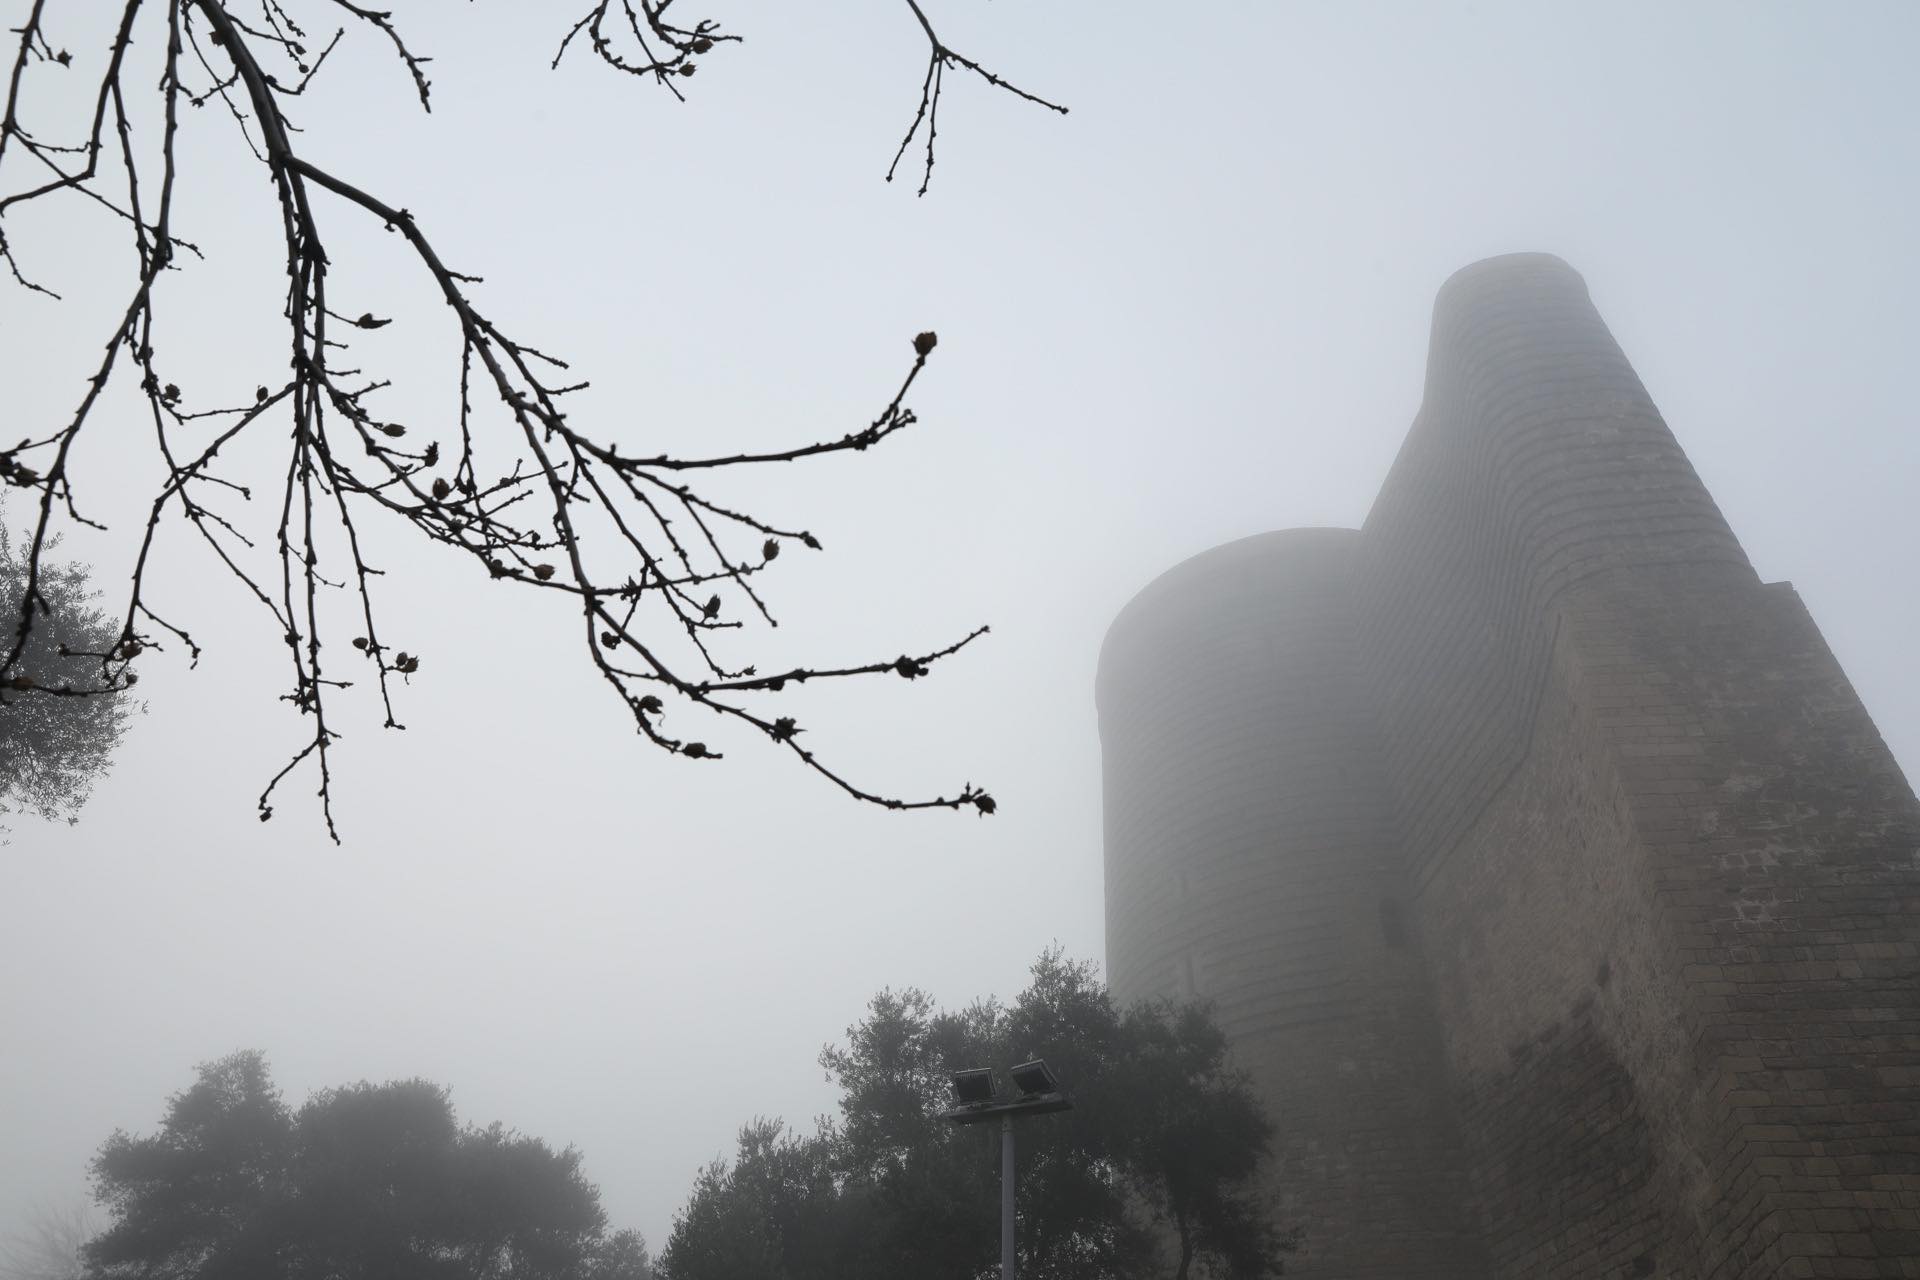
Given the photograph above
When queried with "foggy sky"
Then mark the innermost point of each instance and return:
(1192, 310)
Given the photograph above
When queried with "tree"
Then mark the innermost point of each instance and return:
(363, 1181)
(54, 743)
(1153, 1173)
(1197, 1135)
(779, 1212)
(656, 570)
(51, 1247)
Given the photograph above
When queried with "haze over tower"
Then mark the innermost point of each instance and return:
(1550, 877)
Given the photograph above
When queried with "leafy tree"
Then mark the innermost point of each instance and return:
(658, 568)
(54, 743)
(362, 1182)
(1153, 1173)
(1196, 1137)
(779, 1212)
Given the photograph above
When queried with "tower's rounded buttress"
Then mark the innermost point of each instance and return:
(1234, 765)
(1251, 861)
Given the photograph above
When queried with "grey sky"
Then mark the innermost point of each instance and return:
(1194, 309)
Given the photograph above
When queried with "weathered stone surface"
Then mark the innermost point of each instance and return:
(1554, 884)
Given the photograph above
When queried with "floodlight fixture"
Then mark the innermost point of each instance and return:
(1035, 1077)
(1039, 1092)
(973, 1087)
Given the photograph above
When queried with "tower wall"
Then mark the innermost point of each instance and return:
(1657, 872)
(1251, 858)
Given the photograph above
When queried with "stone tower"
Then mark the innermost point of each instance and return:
(1553, 883)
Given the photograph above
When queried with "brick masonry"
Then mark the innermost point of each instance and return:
(1555, 886)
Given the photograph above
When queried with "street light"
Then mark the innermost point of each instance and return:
(970, 1087)
(974, 1091)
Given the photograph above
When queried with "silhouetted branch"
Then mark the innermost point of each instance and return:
(939, 58)
(649, 19)
(679, 45)
(521, 493)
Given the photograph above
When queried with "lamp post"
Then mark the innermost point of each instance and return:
(978, 1103)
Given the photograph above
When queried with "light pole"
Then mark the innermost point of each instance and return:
(974, 1092)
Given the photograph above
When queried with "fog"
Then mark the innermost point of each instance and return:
(1193, 309)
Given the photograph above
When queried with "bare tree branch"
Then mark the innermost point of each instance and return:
(658, 570)
(939, 58)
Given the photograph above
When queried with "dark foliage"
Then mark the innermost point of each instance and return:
(657, 566)
(1152, 1174)
(363, 1182)
(55, 742)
